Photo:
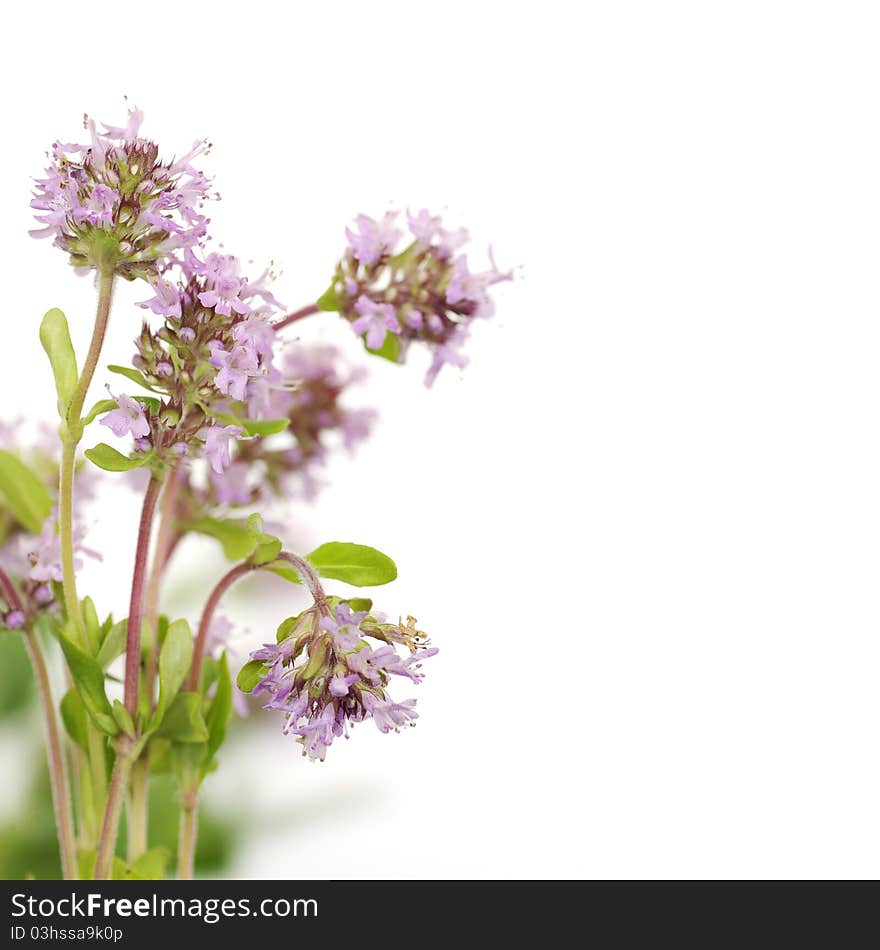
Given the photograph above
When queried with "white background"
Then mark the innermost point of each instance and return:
(643, 525)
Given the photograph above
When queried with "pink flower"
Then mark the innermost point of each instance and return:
(128, 419)
(472, 289)
(235, 368)
(217, 442)
(449, 352)
(166, 299)
(224, 283)
(231, 486)
(256, 334)
(373, 239)
(375, 319)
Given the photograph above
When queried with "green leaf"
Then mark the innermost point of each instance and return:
(318, 655)
(208, 674)
(55, 337)
(358, 604)
(404, 256)
(389, 350)
(24, 492)
(183, 722)
(286, 628)
(74, 717)
(175, 658)
(250, 674)
(133, 375)
(86, 861)
(354, 564)
(264, 426)
(238, 542)
(329, 300)
(260, 427)
(106, 457)
(92, 624)
(99, 408)
(151, 402)
(267, 546)
(88, 677)
(113, 644)
(123, 718)
(151, 865)
(286, 570)
(187, 761)
(267, 550)
(219, 711)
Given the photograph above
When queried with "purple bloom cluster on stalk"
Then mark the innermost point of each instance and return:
(228, 422)
(422, 289)
(211, 360)
(113, 203)
(324, 675)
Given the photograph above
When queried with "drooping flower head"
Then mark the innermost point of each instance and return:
(115, 205)
(423, 290)
(331, 666)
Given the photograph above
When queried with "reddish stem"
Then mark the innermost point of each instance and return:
(136, 606)
(207, 617)
(303, 568)
(167, 510)
(296, 315)
(10, 594)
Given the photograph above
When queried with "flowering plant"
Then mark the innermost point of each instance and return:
(221, 416)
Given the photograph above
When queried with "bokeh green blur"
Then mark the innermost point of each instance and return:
(28, 846)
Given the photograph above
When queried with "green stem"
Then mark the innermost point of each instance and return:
(186, 844)
(65, 519)
(113, 812)
(71, 433)
(189, 813)
(57, 764)
(138, 807)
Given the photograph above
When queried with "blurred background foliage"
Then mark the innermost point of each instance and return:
(28, 846)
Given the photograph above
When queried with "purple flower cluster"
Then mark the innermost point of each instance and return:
(212, 358)
(323, 674)
(113, 204)
(422, 289)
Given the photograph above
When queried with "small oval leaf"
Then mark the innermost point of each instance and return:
(134, 375)
(237, 539)
(250, 674)
(88, 677)
(107, 458)
(355, 564)
(174, 662)
(183, 721)
(55, 337)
